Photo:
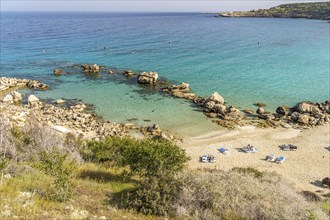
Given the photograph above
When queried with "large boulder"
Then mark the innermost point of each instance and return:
(17, 97)
(282, 110)
(305, 107)
(261, 111)
(8, 98)
(215, 97)
(219, 108)
(147, 78)
(33, 101)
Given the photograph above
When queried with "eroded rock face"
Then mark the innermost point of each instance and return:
(91, 68)
(148, 78)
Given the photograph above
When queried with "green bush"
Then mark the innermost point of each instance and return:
(62, 170)
(249, 170)
(154, 162)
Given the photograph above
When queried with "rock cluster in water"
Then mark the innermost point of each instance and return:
(7, 83)
(303, 115)
(73, 118)
(91, 68)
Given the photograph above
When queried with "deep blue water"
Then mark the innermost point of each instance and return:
(290, 63)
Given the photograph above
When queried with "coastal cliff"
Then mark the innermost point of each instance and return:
(315, 10)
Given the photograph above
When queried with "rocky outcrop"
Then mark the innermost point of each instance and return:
(215, 97)
(180, 91)
(7, 83)
(35, 84)
(305, 114)
(147, 78)
(91, 68)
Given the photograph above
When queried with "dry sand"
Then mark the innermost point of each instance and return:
(305, 167)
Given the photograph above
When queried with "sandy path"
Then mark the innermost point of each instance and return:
(311, 162)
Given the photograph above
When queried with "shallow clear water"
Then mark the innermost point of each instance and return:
(290, 63)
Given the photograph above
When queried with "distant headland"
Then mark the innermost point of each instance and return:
(314, 10)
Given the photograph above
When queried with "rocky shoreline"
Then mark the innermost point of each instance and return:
(301, 116)
(64, 117)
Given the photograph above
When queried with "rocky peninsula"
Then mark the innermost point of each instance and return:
(313, 10)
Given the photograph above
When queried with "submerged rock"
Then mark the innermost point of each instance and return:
(58, 72)
(128, 73)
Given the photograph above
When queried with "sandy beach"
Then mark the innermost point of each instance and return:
(305, 167)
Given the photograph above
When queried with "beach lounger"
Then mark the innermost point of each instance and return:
(249, 149)
(203, 159)
(270, 157)
(207, 158)
(280, 159)
(223, 150)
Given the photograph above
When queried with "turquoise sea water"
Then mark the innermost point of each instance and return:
(246, 60)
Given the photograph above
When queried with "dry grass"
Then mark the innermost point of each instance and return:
(237, 195)
(94, 184)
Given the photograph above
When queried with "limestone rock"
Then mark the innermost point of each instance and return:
(91, 68)
(32, 99)
(219, 108)
(60, 101)
(183, 87)
(304, 107)
(304, 119)
(216, 97)
(209, 105)
(148, 78)
(261, 111)
(8, 98)
(16, 96)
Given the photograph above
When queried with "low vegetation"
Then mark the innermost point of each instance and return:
(313, 10)
(45, 176)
